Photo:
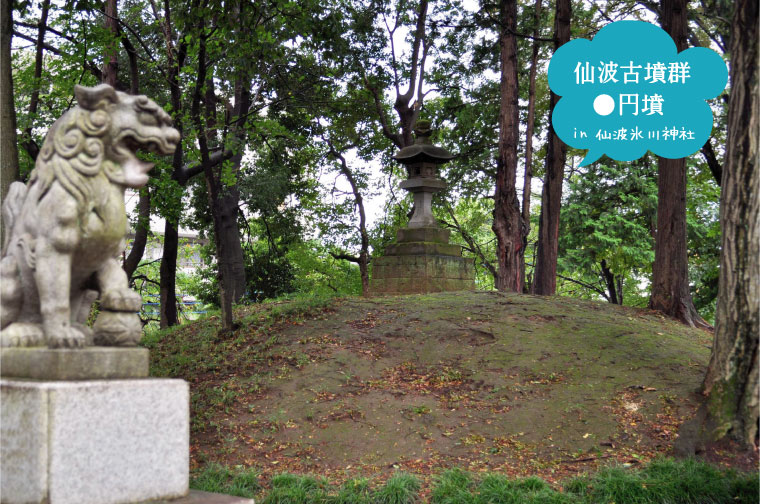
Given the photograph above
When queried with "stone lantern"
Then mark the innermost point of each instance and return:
(422, 259)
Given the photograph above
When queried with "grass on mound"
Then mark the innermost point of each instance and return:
(663, 481)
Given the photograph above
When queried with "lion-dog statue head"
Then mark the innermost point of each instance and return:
(66, 227)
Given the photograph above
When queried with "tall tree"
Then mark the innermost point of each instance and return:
(507, 221)
(528, 175)
(407, 103)
(111, 56)
(731, 383)
(362, 259)
(605, 242)
(545, 273)
(221, 181)
(8, 151)
(28, 142)
(670, 272)
(175, 60)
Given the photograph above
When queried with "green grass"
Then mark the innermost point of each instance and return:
(188, 350)
(220, 479)
(663, 481)
(668, 481)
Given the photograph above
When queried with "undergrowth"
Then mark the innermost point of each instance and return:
(663, 481)
(204, 348)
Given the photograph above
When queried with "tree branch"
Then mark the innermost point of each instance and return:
(346, 257)
(712, 161)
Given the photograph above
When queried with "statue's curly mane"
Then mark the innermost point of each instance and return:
(73, 153)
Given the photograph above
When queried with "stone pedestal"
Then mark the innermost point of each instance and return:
(422, 260)
(91, 363)
(93, 441)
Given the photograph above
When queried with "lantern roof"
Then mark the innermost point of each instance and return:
(423, 150)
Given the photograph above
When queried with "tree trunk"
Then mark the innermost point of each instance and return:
(9, 170)
(609, 280)
(545, 272)
(223, 199)
(110, 58)
(141, 233)
(168, 276)
(528, 177)
(507, 222)
(229, 252)
(364, 271)
(363, 259)
(168, 269)
(731, 383)
(670, 272)
(29, 144)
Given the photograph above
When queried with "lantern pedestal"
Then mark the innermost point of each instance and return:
(422, 260)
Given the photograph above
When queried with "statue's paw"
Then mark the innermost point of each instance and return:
(121, 300)
(11, 291)
(89, 336)
(66, 337)
(22, 334)
(117, 328)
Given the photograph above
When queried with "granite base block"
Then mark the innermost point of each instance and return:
(91, 363)
(93, 442)
(199, 497)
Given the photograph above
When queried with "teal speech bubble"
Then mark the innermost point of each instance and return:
(630, 90)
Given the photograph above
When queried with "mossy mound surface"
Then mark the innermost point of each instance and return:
(483, 381)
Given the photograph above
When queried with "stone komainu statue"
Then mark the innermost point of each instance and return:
(66, 227)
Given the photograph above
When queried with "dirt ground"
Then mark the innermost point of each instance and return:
(483, 381)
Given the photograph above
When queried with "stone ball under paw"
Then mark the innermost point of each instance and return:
(117, 329)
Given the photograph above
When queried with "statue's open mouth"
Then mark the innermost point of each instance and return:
(134, 171)
(159, 144)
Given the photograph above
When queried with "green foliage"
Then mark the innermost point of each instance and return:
(268, 275)
(703, 232)
(317, 273)
(320, 74)
(145, 280)
(609, 216)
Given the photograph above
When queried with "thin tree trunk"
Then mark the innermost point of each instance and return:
(507, 223)
(731, 383)
(528, 177)
(110, 59)
(141, 233)
(545, 272)
(363, 259)
(168, 275)
(619, 281)
(168, 270)
(670, 272)
(9, 169)
(609, 280)
(29, 144)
